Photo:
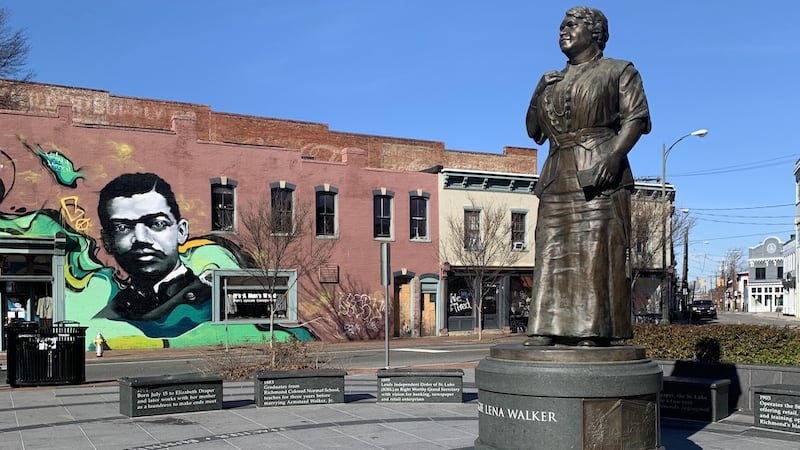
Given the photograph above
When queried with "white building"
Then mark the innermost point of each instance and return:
(765, 273)
(790, 277)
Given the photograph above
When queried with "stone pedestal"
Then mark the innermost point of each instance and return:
(568, 398)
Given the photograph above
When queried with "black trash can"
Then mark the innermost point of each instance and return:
(38, 355)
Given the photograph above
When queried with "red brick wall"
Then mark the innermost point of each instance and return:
(101, 153)
(314, 139)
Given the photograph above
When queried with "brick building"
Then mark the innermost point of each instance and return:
(65, 145)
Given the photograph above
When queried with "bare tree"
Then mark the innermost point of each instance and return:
(646, 236)
(732, 263)
(277, 235)
(480, 242)
(14, 50)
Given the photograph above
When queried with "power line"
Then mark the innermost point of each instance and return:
(738, 222)
(745, 217)
(765, 233)
(791, 158)
(739, 167)
(739, 208)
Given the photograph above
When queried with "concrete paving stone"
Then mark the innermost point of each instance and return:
(11, 441)
(434, 410)
(55, 438)
(30, 398)
(8, 418)
(5, 398)
(115, 433)
(430, 431)
(227, 423)
(54, 415)
(323, 438)
(89, 390)
(56, 446)
(378, 434)
(271, 417)
(172, 427)
(96, 411)
(416, 446)
(270, 441)
(733, 443)
(372, 411)
(724, 436)
(341, 412)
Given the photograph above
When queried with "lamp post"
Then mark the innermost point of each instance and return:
(664, 153)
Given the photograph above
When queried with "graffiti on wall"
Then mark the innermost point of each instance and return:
(74, 214)
(158, 292)
(57, 164)
(460, 303)
(360, 315)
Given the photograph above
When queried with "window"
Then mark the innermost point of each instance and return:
(282, 207)
(419, 215)
(472, 229)
(251, 296)
(780, 272)
(761, 273)
(223, 211)
(326, 211)
(518, 230)
(382, 213)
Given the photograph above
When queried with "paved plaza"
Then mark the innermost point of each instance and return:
(88, 417)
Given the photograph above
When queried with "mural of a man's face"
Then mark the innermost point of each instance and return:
(144, 235)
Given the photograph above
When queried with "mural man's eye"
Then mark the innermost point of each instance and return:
(121, 228)
(159, 225)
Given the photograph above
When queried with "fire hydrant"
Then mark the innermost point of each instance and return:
(99, 342)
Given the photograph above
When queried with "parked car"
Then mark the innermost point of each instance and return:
(703, 309)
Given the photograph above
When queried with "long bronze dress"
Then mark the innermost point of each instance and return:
(581, 276)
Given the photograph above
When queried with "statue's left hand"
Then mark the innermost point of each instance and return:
(607, 170)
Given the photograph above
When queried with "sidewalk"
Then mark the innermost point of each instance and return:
(87, 416)
(165, 353)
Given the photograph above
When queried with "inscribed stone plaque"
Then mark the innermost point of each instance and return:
(694, 398)
(777, 411)
(290, 388)
(420, 386)
(137, 399)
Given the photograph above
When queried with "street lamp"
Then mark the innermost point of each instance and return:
(664, 153)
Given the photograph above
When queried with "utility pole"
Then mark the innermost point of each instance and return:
(685, 274)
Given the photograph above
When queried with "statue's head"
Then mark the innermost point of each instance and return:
(595, 21)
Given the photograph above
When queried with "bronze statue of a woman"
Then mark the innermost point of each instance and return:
(593, 112)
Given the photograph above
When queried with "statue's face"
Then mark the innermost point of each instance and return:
(574, 36)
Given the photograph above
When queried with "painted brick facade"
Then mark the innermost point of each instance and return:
(313, 139)
(68, 143)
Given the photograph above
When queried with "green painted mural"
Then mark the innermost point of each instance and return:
(60, 166)
(159, 294)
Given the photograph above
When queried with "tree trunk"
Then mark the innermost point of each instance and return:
(479, 308)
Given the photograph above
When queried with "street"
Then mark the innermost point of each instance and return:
(367, 355)
(353, 356)
(756, 318)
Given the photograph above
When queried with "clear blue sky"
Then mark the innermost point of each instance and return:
(461, 72)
